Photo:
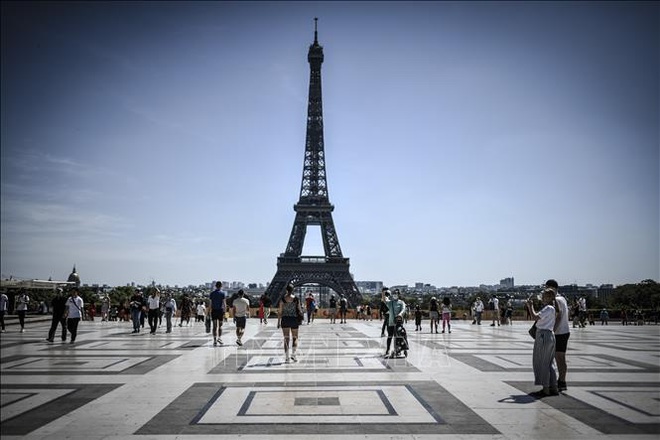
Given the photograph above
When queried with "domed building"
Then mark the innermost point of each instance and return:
(74, 277)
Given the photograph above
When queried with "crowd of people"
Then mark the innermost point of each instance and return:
(552, 316)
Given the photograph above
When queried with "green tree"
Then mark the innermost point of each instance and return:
(643, 295)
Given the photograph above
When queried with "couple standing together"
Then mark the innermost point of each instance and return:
(551, 341)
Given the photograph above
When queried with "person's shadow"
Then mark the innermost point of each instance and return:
(519, 398)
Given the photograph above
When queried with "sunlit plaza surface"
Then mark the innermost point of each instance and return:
(471, 384)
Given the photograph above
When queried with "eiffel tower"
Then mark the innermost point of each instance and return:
(314, 208)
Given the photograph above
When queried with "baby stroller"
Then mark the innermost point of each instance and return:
(400, 339)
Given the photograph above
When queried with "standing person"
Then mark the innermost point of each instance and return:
(508, 311)
(74, 313)
(170, 310)
(434, 314)
(385, 312)
(544, 345)
(332, 310)
(105, 307)
(143, 309)
(4, 302)
(59, 311)
(136, 310)
(218, 307)
(446, 314)
(153, 303)
(562, 333)
(478, 311)
(241, 311)
(186, 310)
(582, 311)
(201, 312)
(310, 305)
(396, 309)
(21, 307)
(418, 318)
(604, 317)
(289, 317)
(261, 309)
(343, 308)
(495, 307)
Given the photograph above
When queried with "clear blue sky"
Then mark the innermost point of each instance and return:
(465, 142)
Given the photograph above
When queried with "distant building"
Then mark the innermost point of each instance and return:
(605, 291)
(369, 287)
(507, 283)
(74, 277)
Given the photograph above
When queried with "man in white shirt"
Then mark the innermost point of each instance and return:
(170, 310)
(495, 306)
(74, 313)
(562, 333)
(478, 310)
(154, 310)
(582, 311)
(241, 309)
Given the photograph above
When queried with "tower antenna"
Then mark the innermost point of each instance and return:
(316, 39)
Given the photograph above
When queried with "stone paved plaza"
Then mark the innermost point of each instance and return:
(471, 384)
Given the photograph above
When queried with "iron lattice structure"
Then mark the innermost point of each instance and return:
(314, 208)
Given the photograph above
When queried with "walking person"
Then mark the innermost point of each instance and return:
(241, 311)
(74, 313)
(170, 311)
(396, 309)
(153, 302)
(59, 310)
(562, 333)
(267, 305)
(446, 314)
(4, 302)
(544, 345)
(289, 317)
(218, 307)
(21, 307)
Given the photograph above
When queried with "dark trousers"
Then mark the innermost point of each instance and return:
(390, 335)
(21, 317)
(72, 325)
(387, 318)
(57, 320)
(153, 319)
(2, 319)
